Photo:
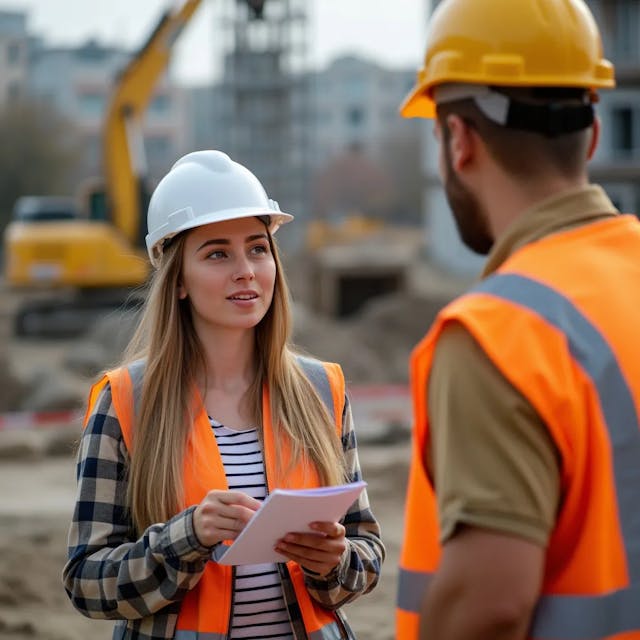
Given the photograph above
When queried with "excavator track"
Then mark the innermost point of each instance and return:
(70, 318)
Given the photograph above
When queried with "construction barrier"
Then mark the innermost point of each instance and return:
(375, 408)
(380, 408)
(20, 420)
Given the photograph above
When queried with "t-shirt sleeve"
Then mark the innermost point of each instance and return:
(493, 461)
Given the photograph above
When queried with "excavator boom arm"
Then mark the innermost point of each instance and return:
(124, 165)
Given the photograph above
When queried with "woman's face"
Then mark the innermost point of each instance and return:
(228, 274)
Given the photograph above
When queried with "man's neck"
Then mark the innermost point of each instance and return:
(507, 202)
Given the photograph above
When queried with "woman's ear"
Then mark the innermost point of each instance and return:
(182, 292)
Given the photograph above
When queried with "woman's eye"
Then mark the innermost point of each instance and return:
(259, 249)
(218, 254)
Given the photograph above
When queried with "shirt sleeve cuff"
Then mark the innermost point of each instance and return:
(331, 579)
(182, 541)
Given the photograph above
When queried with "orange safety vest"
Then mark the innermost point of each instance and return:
(206, 609)
(561, 321)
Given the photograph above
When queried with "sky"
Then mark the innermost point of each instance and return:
(390, 32)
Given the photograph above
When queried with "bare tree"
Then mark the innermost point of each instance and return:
(39, 152)
(351, 184)
(399, 157)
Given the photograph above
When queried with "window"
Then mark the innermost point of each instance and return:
(14, 91)
(355, 116)
(91, 153)
(91, 104)
(160, 105)
(623, 130)
(158, 147)
(14, 54)
(622, 195)
(355, 87)
(627, 42)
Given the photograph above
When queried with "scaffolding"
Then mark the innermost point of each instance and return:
(266, 96)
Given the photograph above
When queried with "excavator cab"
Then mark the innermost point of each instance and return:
(89, 251)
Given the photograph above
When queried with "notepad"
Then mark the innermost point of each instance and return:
(287, 511)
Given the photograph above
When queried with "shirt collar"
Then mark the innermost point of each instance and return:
(557, 213)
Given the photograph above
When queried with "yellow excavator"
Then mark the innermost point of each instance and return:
(92, 256)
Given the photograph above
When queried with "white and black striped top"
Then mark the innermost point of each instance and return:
(258, 606)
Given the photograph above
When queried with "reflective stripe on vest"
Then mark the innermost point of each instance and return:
(591, 617)
(330, 632)
(317, 375)
(196, 635)
(411, 588)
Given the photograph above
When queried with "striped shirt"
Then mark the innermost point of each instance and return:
(259, 610)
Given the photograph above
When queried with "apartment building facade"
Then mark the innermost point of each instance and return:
(78, 81)
(14, 55)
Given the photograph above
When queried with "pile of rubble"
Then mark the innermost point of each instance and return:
(373, 347)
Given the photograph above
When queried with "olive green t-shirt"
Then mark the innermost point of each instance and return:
(494, 463)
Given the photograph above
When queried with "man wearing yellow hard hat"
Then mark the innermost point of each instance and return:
(523, 506)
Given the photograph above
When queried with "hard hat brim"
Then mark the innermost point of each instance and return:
(418, 104)
(276, 220)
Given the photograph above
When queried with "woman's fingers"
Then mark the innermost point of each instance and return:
(222, 515)
(320, 551)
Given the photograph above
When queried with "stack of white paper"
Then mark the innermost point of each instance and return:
(288, 511)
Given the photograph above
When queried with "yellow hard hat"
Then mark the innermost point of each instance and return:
(537, 43)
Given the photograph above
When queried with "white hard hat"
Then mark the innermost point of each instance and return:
(204, 187)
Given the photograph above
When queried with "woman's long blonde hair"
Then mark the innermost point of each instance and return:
(166, 339)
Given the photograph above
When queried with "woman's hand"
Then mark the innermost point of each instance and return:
(320, 551)
(222, 515)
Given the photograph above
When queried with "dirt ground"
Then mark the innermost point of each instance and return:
(36, 499)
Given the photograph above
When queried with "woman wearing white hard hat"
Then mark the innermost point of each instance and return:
(210, 411)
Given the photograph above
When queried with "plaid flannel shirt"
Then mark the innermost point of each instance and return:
(140, 581)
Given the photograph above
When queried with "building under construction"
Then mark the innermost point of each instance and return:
(266, 102)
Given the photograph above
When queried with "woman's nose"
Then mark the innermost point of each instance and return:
(244, 270)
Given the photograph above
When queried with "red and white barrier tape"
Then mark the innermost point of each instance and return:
(377, 402)
(19, 420)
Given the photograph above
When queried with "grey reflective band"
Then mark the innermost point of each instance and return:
(590, 617)
(198, 635)
(411, 588)
(587, 617)
(136, 373)
(317, 375)
(219, 550)
(328, 632)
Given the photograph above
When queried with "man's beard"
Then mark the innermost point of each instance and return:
(470, 220)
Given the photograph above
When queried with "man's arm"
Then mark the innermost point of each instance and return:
(497, 478)
(486, 588)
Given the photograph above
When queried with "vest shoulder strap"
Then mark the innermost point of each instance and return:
(328, 380)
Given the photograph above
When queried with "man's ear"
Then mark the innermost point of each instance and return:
(595, 137)
(461, 142)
